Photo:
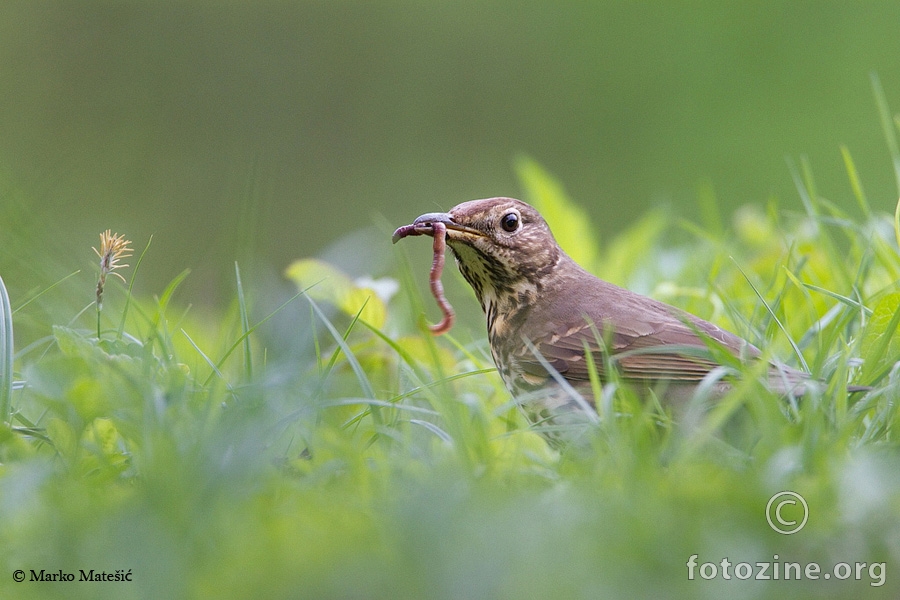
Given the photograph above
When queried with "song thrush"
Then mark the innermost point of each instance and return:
(547, 317)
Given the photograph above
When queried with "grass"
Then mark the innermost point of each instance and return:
(345, 452)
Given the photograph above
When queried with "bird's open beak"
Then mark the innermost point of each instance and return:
(424, 225)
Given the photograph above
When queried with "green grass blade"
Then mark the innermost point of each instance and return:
(240, 340)
(887, 126)
(209, 362)
(806, 196)
(775, 318)
(159, 330)
(361, 376)
(809, 183)
(594, 378)
(400, 350)
(6, 355)
(589, 412)
(245, 324)
(851, 302)
(438, 384)
(897, 222)
(710, 213)
(134, 273)
(380, 403)
(855, 182)
(167, 294)
(440, 433)
(45, 290)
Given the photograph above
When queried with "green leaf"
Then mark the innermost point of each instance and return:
(330, 284)
(880, 347)
(73, 343)
(569, 222)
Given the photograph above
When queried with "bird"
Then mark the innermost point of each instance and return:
(551, 323)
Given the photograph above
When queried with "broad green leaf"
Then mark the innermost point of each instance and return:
(569, 222)
(72, 343)
(881, 344)
(329, 284)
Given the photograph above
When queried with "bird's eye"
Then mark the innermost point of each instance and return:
(510, 222)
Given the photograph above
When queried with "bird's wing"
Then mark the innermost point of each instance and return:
(657, 349)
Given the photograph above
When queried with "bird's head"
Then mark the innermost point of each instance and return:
(502, 245)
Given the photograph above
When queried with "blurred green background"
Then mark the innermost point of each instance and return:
(274, 128)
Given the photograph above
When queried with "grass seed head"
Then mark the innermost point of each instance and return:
(113, 248)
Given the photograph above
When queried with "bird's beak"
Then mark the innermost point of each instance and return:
(428, 218)
(424, 225)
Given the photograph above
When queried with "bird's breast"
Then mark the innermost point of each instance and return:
(508, 321)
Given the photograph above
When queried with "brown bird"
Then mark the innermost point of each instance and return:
(547, 318)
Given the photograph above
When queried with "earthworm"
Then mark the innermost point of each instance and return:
(437, 288)
(439, 232)
(404, 231)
